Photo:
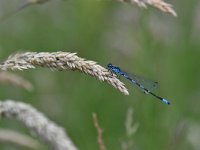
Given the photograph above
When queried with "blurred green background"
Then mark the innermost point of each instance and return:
(146, 42)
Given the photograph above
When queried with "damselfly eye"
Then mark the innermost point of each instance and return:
(109, 65)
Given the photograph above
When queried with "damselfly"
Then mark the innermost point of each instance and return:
(134, 80)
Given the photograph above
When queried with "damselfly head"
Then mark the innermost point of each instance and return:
(109, 65)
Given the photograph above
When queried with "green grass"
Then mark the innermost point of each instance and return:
(91, 28)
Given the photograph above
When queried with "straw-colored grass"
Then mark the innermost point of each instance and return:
(159, 4)
(15, 80)
(43, 128)
(62, 61)
(99, 132)
(12, 137)
(25, 5)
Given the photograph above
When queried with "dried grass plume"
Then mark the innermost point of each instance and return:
(37, 123)
(159, 4)
(8, 136)
(13, 79)
(99, 132)
(27, 4)
(62, 61)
